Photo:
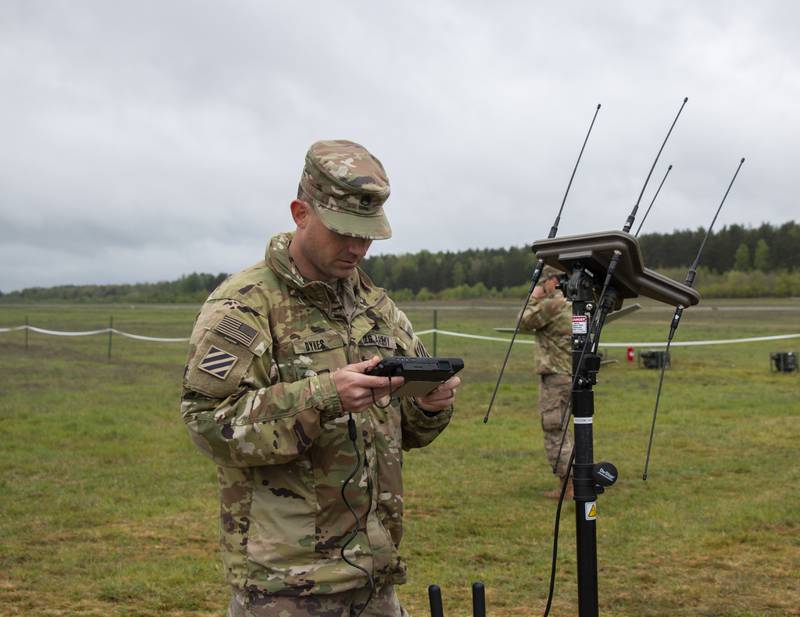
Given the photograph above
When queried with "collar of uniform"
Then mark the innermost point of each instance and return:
(320, 293)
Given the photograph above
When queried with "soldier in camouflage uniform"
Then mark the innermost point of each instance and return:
(549, 315)
(274, 374)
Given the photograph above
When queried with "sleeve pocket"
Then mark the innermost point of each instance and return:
(217, 366)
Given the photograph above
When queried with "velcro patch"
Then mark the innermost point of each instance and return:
(312, 345)
(217, 362)
(324, 341)
(237, 331)
(379, 340)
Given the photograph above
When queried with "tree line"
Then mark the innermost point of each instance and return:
(738, 261)
(766, 248)
(191, 288)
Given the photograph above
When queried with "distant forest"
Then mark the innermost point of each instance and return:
(738, 261)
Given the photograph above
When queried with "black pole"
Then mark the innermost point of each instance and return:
(26, 332)
(585, 369)
(110, 334)
(435, 597)
(435, 326)
(478, 600)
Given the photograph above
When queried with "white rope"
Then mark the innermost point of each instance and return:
(474, 336)
(754, 339)
(58, 333)
(12, 329)
(139, 337)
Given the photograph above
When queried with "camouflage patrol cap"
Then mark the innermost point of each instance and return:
(347, 187)
(549, 272)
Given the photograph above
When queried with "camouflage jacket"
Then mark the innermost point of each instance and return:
(550, 319)
(259, 400)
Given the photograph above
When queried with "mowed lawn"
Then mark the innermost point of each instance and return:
(106, 508)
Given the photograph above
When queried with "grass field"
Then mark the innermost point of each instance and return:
(107, 509)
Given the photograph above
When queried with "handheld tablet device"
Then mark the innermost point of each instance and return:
(421, 375)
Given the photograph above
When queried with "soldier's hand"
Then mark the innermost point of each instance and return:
(442, 397)
(356, 390)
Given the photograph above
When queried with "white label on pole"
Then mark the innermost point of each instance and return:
(590, 509)
(579, 324)
(578, 420)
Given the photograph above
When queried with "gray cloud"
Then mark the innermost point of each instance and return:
(143, 140)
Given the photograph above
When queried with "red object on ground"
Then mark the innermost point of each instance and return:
(630, 354)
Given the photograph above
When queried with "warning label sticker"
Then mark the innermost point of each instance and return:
(579, 324)
(591, 510)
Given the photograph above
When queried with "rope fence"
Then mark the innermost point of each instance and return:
(434, 331)
(137, 337)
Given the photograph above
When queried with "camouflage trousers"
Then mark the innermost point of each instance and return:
(554, 395)
(384, 603)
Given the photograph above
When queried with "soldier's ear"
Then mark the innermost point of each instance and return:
(301, 213)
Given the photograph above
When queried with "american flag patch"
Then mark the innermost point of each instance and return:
(217, 362)
(237, 331)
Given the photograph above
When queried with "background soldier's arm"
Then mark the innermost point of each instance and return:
(537, 314)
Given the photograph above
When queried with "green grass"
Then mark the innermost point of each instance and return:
(107, 509)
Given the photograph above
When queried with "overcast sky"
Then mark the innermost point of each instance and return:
(141, 140)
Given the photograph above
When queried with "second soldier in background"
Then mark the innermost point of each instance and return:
(548, 315)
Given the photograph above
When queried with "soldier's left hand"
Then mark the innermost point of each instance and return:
(442, 397)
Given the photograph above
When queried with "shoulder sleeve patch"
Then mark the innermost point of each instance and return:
(217, 362)
(217, 366)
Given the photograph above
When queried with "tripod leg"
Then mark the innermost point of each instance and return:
(435, 597)
(478, 600)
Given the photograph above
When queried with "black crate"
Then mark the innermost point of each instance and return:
(654, 358)
(783, 361)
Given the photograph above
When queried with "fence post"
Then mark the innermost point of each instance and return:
(26, 332)
(435, 326)
(110, 334)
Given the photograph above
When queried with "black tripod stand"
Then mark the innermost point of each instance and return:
(589, 478)
(604, 269)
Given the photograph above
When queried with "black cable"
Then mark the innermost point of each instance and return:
(555, 534)
(353, 435)
(375, 402)
(565, 417)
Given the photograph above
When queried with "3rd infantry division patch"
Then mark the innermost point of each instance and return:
(217, 362)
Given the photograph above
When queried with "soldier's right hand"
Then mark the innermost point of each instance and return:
(357, 391)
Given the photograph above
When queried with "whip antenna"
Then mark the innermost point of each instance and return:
(676, 318)
(612, 266)
(652, 201)
(537, 271)
(593, 339)
(632, 215)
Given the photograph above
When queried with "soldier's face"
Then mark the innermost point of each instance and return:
(550, 284)
(320, 253)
